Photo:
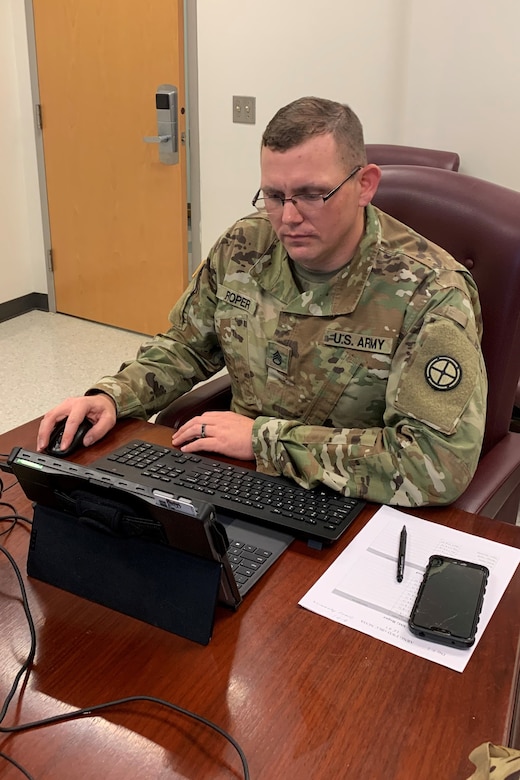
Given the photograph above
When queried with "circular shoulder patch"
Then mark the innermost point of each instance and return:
(443, 373)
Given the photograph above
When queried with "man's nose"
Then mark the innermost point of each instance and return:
(290, 213)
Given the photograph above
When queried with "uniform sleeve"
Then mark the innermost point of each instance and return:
(427, 448)
(171, 363)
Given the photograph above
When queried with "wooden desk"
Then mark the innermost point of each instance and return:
(305, 697)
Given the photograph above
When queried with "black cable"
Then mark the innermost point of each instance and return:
(13, 519)
(28, 661)
(8, 470)
(4, 466)
(87, 711)
(9, 486)
(9, 506)
(17, 765)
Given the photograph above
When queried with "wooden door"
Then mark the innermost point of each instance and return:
(118, 217)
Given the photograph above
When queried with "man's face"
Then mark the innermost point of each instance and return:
(326, 238)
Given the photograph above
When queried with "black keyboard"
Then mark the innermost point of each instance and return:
(320, 514)
(245, 561)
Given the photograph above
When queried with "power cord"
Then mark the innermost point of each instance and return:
(4, 489)
(13, 517)
(85, 711)
(12, 761)
(8, 470)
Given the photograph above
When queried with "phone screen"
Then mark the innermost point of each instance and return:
(449, 601)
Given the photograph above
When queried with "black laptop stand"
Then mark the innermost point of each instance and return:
(160, 585)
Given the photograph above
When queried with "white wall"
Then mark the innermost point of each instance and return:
(462, 84)
(443, 74)
(22, 264)
(277, 51)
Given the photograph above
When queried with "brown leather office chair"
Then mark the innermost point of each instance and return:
(394, 154)
(515, 422)
(478, 222)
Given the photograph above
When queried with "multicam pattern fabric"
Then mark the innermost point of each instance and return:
(495, 762)
(372, 383)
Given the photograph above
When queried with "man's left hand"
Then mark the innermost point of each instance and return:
(226, 433)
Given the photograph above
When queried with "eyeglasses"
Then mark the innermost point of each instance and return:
(305, 202)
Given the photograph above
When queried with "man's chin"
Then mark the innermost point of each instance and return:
(300, 248)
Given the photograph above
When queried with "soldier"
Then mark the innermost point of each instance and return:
(352, 343)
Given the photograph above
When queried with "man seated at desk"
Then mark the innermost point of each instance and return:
(352, 343)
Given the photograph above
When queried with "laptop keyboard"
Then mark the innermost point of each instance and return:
(318, 514)
(245, 560)
(252, 550)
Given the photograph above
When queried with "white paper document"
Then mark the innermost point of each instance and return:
(360, 588)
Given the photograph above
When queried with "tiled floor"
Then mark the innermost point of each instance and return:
(46, 357)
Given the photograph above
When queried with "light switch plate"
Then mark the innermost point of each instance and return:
(244, 109)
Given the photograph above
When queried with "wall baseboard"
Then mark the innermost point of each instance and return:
(22, 305)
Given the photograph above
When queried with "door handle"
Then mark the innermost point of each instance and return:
(166, 98)
(156, 139)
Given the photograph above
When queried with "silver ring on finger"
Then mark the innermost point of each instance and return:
(203, 431)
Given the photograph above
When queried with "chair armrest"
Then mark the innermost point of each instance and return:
(214, 395)
(494, 490)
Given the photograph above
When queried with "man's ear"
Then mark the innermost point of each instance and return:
(369, 180)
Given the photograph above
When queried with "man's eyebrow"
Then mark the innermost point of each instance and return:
(305, 188)
(313, 188)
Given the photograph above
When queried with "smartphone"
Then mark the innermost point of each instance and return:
(449, 601)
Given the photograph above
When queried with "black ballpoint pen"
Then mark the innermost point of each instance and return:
(401, 554)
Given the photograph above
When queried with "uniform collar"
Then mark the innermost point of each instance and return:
(339, 295)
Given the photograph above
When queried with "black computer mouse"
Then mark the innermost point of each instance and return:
(54, 446)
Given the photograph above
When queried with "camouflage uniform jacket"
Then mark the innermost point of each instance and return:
(372, 383)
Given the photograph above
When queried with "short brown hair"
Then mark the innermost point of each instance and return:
(309, 116)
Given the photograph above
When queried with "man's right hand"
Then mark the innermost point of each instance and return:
(100, 410)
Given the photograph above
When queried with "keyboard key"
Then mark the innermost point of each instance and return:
(253, 557)
(244, 571)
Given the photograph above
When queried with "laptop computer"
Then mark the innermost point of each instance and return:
(96, 535)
